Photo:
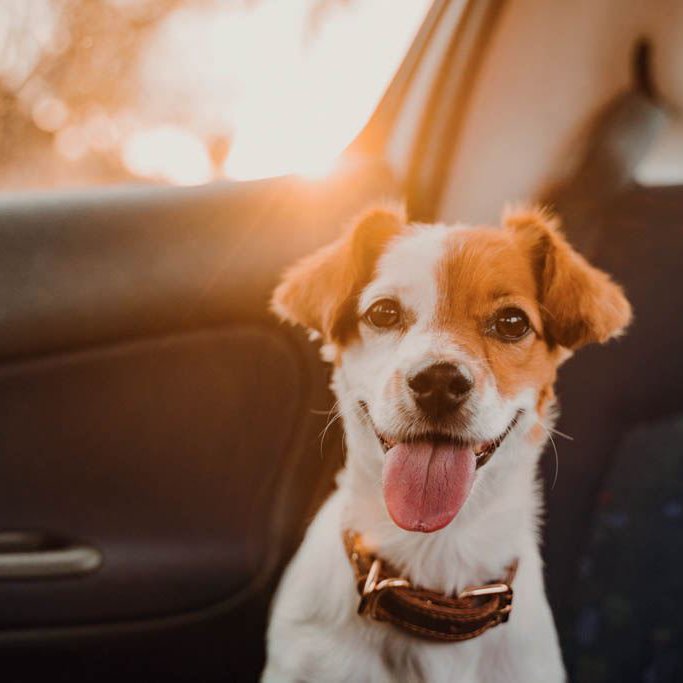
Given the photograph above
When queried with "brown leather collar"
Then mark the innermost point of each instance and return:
(385, 596)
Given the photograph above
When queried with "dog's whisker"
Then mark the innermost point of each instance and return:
(557, 457)
(334, 414)
(317, 411)
(328, 425)
(562, 434)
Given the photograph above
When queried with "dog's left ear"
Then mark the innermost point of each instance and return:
(580, 304)
(320, 292)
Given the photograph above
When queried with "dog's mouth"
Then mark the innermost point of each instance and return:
(483, 450)
(428, 475)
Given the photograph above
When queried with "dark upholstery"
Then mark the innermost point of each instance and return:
(156, 453)
(629, 624)
(606, 393)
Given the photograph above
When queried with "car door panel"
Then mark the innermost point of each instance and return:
(157, 453)
(151, 406)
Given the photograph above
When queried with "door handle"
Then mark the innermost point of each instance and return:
(35, 555)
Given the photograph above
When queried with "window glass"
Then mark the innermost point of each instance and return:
(188, 91)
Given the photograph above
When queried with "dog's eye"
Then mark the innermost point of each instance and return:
(384, 313)
(511, 324)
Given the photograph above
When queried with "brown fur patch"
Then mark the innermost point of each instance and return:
(483, 271)
(528, 265)
(546, 399)
(320, 292)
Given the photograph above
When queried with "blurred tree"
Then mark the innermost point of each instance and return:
(70, 88)
(65, 67)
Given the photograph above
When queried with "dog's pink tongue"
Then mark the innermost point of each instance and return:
(425, 484)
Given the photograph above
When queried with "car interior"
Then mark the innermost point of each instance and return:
(164, 440)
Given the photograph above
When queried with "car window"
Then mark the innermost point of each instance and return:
(189, 91)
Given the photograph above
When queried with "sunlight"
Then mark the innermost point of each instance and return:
(301, 117)
(191, 91)
(287, 98)
(168, 153)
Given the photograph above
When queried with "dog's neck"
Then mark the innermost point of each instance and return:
(496, 525)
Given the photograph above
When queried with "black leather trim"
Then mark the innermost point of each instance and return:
(80, 269)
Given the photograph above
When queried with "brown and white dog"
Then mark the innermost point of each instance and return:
(445, 342)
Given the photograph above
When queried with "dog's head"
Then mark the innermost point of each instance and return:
(447, 339)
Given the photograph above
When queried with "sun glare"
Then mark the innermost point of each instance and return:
(191, 91)
(288, 98)
(168, 153)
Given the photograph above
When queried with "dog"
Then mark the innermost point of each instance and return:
(445, 342)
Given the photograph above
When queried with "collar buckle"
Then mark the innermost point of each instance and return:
(487, 589)
(502, 590)
(372, 589)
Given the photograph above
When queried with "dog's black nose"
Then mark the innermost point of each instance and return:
(440, 388)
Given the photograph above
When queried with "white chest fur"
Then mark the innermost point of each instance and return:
(316, 635)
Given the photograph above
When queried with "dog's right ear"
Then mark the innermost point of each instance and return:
(320, 292)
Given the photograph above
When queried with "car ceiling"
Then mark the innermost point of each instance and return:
(548, 70)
